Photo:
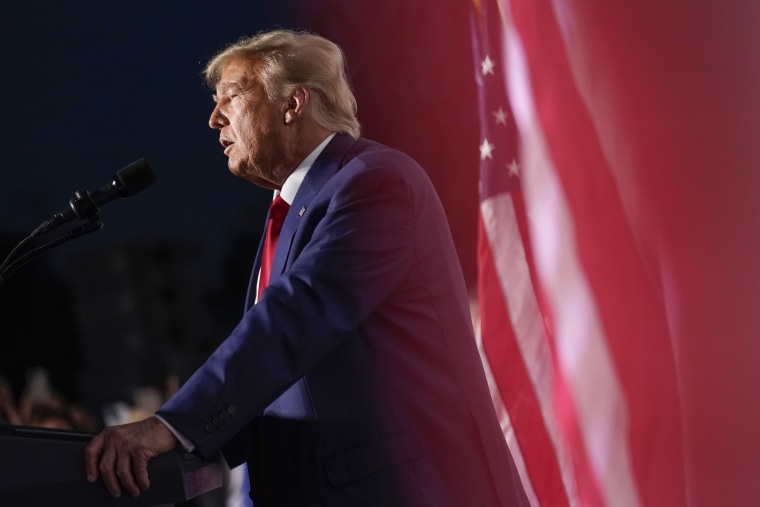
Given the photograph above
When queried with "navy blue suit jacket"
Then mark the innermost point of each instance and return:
(366, 319)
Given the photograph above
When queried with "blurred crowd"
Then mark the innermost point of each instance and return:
(39, 404)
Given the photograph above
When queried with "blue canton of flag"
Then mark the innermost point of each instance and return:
(499, 166)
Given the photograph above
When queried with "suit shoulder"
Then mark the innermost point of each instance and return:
(374, 155)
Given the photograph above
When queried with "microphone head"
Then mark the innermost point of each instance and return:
(135, 177)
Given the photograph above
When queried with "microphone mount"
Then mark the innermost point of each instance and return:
(83, 205)
(13, 263)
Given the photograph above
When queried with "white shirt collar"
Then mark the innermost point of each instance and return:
(293, 183)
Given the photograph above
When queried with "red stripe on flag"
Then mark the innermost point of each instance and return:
(513, 382)
(507, 362)
(630, 310)
(589, 490)
(521, 365)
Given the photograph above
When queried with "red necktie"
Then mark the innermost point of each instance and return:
(277, 211)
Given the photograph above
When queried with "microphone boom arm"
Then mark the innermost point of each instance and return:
(12, 264)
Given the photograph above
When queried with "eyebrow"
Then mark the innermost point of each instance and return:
(222, 88)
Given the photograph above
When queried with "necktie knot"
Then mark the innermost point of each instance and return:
(278, 209)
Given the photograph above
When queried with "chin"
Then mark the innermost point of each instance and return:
(236, 170)
(263, 183)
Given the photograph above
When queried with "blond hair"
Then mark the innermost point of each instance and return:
(286, 60)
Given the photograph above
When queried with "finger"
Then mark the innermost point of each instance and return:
(124, 471)
(107, 469)
(91, 454)
(140, 469)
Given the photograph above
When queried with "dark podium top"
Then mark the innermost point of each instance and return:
(40, 467)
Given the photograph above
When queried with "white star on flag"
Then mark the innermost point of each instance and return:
(486, 149)
(500, 116)
(487, 65)
(513, 168)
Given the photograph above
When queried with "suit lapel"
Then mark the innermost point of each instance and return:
(250, 297)
(327, 164)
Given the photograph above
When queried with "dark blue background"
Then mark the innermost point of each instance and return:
(88, 88)
(91, 86)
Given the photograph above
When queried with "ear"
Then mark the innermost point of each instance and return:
(297, 104)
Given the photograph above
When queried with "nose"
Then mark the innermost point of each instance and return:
(217, 120)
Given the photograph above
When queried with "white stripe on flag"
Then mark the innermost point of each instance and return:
(506, 244)
(584, 360)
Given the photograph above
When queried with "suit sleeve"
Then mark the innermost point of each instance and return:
(359, 246)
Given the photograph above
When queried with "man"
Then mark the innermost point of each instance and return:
(354, 379)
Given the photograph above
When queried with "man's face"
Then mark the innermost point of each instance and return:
(251, 128)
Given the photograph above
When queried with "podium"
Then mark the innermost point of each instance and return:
(43, 467)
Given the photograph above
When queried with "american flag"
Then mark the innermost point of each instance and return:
(636, 162)
(576, 347)
(512, 331)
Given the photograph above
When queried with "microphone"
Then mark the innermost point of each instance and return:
(127, 182)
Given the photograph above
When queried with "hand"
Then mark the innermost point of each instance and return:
(120, 454)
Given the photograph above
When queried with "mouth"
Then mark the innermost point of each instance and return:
(225, 143)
